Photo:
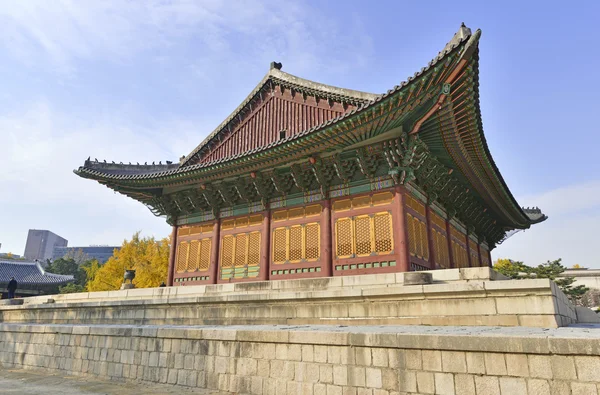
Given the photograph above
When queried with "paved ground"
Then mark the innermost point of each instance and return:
(34, 383)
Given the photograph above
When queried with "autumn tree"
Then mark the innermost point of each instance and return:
(550, 270)
(147, 256)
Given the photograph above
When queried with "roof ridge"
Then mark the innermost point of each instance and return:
(279, 76)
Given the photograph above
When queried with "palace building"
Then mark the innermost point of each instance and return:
(309, 180)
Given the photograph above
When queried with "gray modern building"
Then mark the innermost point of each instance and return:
(100, 253)
(40, 244)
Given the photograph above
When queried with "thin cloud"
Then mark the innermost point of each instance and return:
(574, 214)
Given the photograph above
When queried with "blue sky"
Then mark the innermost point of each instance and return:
(148, 80)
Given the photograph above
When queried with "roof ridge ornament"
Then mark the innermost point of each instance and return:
(276, 65)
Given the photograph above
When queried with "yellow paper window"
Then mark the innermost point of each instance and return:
(182, 257)
(342, 205)
(192, 261)
(383, 232)
(296, 213)
(280, 215)
(205, 250)
(241, 248)
(296, 243)
(279, 245)
(227, 246)
(313, 210)
(382, 198)
(362, 232)
(254, 249)
(312, 241)
(256, 220)
(363, 201)
(343, 237)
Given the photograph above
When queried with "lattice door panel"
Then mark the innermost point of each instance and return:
(296, 243)
(192, 261)
(227, 250)
(241, 249)
(362, 234)
(280, 244)
(382, 226)
(182, 255)
(313, 241)
(253, 249)
(344, 239)
(205, 251)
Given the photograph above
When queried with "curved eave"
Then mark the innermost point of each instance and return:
(455, 133)
(383, 113)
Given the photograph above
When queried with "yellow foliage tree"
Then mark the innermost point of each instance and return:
(147, 256)
(577, 266)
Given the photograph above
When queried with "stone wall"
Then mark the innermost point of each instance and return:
(459, 297)
(318, 359)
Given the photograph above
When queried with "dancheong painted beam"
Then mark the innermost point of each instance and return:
(309, 180)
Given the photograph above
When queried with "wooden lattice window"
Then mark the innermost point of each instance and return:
(440, 244)
(292, 244)
(280, 244)
(192, 261)
(312, 241)
(416, 205)
(382, 225)
(474, 253)
(227, 250)
(296, 235)
(364, 235)
(254, 249)
(417, 237)
(459, 252)
(205, 250)
(182, 255)
(239, 250)
(344, 238)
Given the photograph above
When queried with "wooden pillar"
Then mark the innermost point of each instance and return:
(400, 231)
(214, 252)
(490, 263)
(173, 249)
(449, 238)
(432, 257)
(265, 243)
(326, 243)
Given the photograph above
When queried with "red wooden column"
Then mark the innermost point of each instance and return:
(400, 231)
(490, 258)
(449, 237)
(326, 236)
(265, 244)
(429, 227)
(214, 252)
(171, 270)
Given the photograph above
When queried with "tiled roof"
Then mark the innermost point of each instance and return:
(29, 273)
(97, 171)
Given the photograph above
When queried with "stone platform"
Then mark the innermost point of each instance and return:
(317, 360)
(468, 297)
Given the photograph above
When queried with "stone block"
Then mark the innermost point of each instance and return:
(432, 360)
(512, 385)
(425, 383)
(444, 383)
(320, 389)
(324, 373)
(495, 364)
(584, 389)
(307, 353)
(588, 368)
(517, 365)
(464, 384)
(363, 356)
(540, 366)
(560, 388)
(380, 357)
(487, 385)
(320, 354)
(537, 387)
(563, 367)
(334, 390)
(356, 376)
(340, 375)
(390, 379)
(454, 362)
(374, 378)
